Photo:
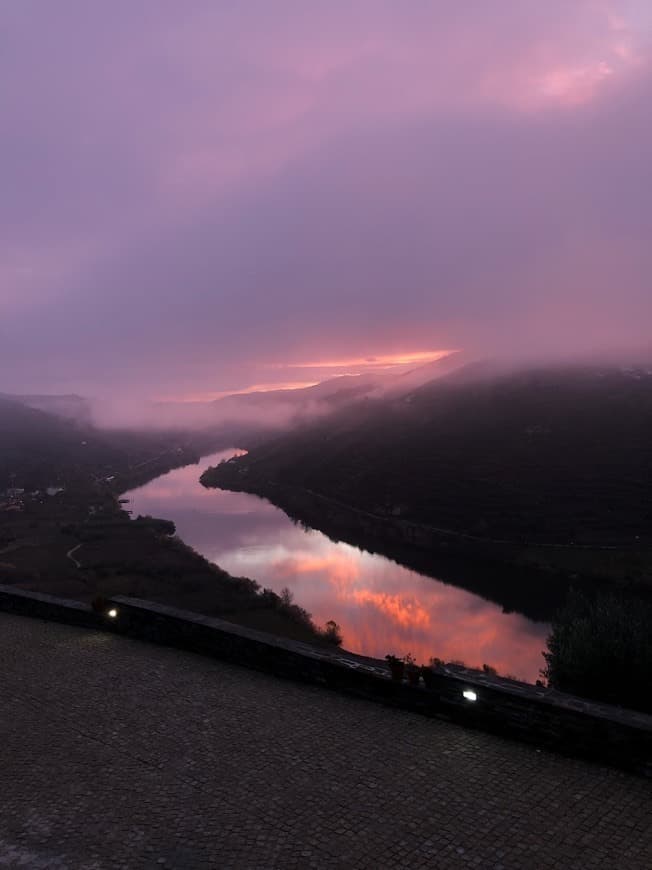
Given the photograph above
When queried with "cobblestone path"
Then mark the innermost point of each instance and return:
(114, 753)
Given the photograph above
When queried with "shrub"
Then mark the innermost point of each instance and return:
(294, 611)
(332, 633)
(601, 648)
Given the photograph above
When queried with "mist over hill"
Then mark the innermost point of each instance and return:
(49, 437)
(260, 413)
(554, 456)
(69, 407)
(38, 448)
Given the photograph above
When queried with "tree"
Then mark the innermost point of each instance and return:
(332, 633)
(601, 648)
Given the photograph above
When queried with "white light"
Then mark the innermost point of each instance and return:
(469, 695)
(112, 613)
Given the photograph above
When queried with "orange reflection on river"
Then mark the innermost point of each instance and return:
(381, 606)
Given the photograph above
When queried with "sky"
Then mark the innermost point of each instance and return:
(205, 196)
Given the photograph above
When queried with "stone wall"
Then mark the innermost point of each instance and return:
(37, 604)
(537, 715)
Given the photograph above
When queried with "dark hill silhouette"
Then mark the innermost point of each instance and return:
(544, 457)
(259, 415)
(38, 448)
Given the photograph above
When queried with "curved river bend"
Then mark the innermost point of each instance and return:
(381, 607)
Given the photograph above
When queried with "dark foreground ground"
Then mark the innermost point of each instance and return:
(114, 753)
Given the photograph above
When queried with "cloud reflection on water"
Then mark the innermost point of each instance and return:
(381, 606)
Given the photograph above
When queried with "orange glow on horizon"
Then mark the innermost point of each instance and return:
(281, 385)
(419, 357)
(212, 395)
(352, 366)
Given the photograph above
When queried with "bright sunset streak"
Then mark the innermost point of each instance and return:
(381, 361)
(212, 396)
(279, 385)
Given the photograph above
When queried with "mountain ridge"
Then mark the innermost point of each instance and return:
(557, 455)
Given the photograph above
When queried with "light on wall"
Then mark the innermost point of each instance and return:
(470, 695)
(112, 613)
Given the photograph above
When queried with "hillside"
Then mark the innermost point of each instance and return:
(554, 457)
(70, 407)
(258, 415)
(38, 448)
(63, 529)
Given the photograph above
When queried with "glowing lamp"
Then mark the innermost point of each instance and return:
(470, 695)
(112, 613)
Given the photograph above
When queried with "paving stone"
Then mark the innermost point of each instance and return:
(116, 753)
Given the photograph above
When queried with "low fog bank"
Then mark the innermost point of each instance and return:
(115, 413)
(270, 410)
(279, 410)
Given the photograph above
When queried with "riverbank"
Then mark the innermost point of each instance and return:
(81, 543)
(533, 580)
(381, 606)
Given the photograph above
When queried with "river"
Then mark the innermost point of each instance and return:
(380, 606)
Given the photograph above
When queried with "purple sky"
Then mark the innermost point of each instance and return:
(199, 196)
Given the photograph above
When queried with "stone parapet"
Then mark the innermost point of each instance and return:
(543, 717)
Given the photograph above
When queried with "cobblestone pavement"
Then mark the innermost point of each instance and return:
(115, 754)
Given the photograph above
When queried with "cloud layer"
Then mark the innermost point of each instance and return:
(196, 195)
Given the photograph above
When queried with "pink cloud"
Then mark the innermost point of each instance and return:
(358, 176)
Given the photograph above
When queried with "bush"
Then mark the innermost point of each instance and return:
(601, 648)
(332, 633)
(294, 611)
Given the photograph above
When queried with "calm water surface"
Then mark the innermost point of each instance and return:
(380, 606)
